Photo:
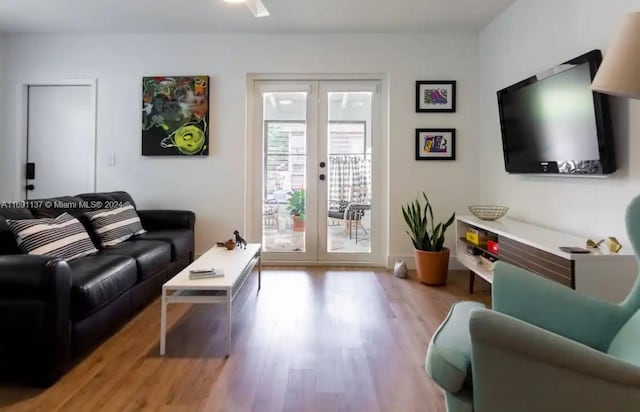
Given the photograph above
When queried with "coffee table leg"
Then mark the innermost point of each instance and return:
(228, 322)
(163, 323)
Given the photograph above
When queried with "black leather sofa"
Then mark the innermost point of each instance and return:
(52, 312)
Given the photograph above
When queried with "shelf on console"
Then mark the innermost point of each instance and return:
(482, 249)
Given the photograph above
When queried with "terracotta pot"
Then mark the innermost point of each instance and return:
(432, 267)
(298, 224)
(230, 244)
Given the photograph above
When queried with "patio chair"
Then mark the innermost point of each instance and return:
(349, 213)
(270, 213)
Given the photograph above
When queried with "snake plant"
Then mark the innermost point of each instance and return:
(424, 233)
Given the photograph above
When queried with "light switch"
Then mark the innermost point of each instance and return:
(112, 160)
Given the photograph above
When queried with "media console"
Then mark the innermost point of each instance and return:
(608, 276)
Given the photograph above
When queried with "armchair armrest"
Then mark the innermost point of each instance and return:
(556, 308)
(167, 219)
(518, 366)
(35, 318)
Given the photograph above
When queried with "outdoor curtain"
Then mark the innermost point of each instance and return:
(350, 178)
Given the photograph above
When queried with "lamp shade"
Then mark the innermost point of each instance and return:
(619, 73)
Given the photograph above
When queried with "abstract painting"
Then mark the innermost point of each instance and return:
(435, 144)
(175, 116)
(436, 96)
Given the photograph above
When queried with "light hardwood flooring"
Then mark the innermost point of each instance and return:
(321, 339)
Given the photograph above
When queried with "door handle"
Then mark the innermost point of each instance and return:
(31, 171)
(30, 187)
(322, 177)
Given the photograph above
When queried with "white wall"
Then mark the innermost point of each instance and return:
(213, 186)
(530, 36)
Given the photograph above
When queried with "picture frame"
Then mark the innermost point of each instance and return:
(436, 96)
(175, 116)
(435, 144)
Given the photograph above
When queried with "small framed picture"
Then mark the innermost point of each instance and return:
(435, 144)
(435, 96)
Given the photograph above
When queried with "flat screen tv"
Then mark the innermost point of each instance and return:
(552, 123)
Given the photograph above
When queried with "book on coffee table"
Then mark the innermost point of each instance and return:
(205, 273)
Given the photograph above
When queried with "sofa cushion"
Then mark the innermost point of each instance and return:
(63, 237)
(8, 244)
(114, 226)
(16, 213)
(55, 206)
(121, 196)
(338, 209)
(150, 255)
(181, 241)
(107, 200)
(98, 280)
(626, 344)
(354, 215)
(449, 355)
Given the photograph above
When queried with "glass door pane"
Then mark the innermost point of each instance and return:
(349, 151)
(284, 175)
(319, 182)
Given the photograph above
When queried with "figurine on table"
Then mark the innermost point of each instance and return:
(240, 240)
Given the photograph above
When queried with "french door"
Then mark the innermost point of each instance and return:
(317, 145)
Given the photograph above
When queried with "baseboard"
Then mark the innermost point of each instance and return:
(411, 262)
(391, 260)
(303, 263)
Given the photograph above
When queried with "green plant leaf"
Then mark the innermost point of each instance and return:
(428, 206)
(449, 222)
(296, 205)
(419, 219)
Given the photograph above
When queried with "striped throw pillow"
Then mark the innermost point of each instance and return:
(63, 237)
(114, 226)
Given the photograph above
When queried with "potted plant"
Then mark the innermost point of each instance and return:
(432, 258)
(296, 209)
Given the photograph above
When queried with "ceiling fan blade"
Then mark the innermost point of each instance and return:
(257, 8)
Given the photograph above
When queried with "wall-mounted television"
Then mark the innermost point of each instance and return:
(552, 123)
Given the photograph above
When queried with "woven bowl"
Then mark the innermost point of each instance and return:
(488, 212)
(230, 244)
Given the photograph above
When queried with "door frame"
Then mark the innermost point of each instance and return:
(253, 159)
(22, 126)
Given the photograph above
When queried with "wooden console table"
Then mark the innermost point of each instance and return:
(608, 276)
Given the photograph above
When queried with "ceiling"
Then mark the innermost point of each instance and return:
(215, 16)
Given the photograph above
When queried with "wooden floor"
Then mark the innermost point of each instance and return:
(311, 340)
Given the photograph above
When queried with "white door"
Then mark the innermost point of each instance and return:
(349, 195)
(60, 141)
(316, 142)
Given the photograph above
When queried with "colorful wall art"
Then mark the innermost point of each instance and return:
(435, 96)
(175, 116)
(435, 144)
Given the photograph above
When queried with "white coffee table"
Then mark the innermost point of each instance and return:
(237, 265)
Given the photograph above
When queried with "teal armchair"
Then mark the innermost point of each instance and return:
(543, 347)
